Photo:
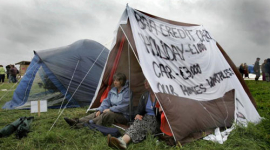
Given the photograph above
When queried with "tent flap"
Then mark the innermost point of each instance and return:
(196, 116)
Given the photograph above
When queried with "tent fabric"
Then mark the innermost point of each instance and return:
(194, 117)
(72, 70)
(22, 91)
(164, 126)
(115, 65)
(196, 83)
(55, 84)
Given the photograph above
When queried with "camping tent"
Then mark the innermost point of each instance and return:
(251, 68)
(70, 72)
(195, 82)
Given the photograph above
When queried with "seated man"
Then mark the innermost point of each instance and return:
(113, 109)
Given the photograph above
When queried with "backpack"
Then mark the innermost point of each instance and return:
(104, 130)
(24, 127)
(10, 128)
(21, 126)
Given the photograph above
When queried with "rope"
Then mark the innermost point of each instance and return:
(8, 91)
(68, 86)
(76, 90)
(2, 84)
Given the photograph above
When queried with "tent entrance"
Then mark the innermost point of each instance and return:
(43, 88)
(127, 64)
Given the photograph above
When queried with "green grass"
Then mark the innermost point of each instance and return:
(255, 137)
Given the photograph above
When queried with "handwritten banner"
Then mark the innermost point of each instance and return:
(180, 60)
(185, 69)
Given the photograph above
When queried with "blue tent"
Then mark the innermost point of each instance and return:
(68, 74)
(250, 68)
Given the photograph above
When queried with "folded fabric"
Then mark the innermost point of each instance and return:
(104, 130)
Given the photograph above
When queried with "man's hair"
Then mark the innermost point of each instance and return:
(120, 77)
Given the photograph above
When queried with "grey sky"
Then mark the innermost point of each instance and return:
(242, 27)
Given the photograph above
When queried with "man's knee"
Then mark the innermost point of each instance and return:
(87, 118)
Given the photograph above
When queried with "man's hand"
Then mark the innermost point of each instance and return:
(97, 113)
(138, 117)
(106, 110)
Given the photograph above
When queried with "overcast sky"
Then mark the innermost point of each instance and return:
(242, 27)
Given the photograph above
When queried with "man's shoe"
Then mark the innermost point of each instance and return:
(91, 122)
(71, 122)
(116, 142)
(79, 125)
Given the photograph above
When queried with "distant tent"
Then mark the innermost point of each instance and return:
(195, 82)
(71, 72)
(251, 68)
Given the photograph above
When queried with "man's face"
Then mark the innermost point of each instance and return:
(146, 85)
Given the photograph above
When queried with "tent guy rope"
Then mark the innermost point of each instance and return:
(68, 86)
(76, 89)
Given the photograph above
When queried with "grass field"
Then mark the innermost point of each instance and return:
(254, 137)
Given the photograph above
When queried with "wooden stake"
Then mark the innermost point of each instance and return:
(38, 108)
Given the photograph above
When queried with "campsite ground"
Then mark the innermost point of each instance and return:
(62, 137)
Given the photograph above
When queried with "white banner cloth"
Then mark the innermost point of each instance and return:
(185, 61)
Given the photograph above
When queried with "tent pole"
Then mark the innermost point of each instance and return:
(130, 99)
(154, 93)
(130, 44)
